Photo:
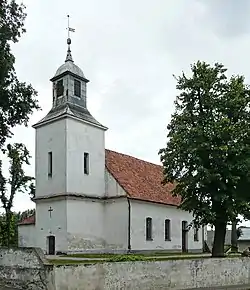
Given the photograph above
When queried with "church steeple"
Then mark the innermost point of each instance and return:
(70, 91)
(70, 163)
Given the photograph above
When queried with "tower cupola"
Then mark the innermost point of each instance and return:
(69, 90)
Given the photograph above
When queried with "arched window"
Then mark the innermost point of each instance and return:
(167, 230)
(149, 229)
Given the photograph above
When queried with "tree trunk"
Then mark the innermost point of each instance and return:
(219, 239)
(234, 238)
(8, 224)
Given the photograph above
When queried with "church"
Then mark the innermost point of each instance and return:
(90, 199)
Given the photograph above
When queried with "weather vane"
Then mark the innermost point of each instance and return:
(69, 56)
(69, 28)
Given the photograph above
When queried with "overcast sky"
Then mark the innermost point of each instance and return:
(129, 51)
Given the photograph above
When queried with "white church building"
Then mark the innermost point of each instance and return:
(89, 198)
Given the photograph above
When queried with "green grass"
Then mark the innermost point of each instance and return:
(111, 255)
(127, 258)
(130, 258)
(116, 258)
(89, 256)
(121, 258)
(67, 262)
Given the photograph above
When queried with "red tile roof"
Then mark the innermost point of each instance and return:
(140, 179)
(28, 221)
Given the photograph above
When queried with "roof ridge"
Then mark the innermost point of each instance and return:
(127, 155)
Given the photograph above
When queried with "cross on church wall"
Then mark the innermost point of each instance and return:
(50, 211)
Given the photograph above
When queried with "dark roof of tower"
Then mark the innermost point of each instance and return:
(69, 110)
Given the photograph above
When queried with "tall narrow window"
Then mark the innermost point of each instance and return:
(167, 230)
(59, 88)
(86, 163)
(149, 229)
(50, 164)
(196, 234)
(77, 88)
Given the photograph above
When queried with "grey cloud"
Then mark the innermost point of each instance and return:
(228, 18)
(129, 51)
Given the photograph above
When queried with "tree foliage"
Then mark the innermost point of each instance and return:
(17, 99)
(15, 219)
(17, 102)
(208, 149)
(18, 182)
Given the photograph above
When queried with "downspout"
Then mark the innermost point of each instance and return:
(129, 225)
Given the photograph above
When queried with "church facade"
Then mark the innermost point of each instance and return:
(92, 199)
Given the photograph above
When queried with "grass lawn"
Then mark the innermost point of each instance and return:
(109, 255)
(68, 262)
(126, 258)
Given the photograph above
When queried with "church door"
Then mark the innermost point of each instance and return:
(184, 236)
(51, 245)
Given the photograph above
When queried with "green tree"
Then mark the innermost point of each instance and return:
(17, 99)
(25, 214)
(17, 102)
(18, 182)
(207, 154)
(12, 232)
(15, 219)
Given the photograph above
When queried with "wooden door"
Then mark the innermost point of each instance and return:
(51, 245)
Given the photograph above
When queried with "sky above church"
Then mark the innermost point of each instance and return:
(129, 50)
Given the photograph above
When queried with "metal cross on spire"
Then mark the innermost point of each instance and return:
(69, 56)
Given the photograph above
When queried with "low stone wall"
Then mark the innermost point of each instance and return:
(25, 268)
(172, 274)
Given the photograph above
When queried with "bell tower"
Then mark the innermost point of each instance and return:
(70, 162)
(70, 129)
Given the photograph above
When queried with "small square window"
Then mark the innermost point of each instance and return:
(77, 88)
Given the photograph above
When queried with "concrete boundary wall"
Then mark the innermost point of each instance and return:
(27, 268)
(172, 274)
